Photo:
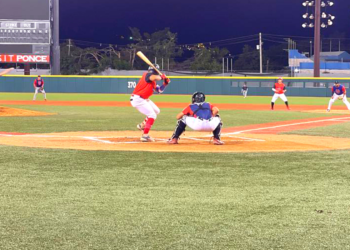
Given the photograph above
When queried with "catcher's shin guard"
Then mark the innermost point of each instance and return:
(180, 128)
(217, 131)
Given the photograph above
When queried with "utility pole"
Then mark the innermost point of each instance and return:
(56, 61)
(69, 45)
(317, 38)
(260, 48)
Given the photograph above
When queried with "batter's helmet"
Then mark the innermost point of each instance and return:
(151, 70)
(198, 97)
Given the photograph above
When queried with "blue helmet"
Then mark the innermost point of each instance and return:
(151, 70)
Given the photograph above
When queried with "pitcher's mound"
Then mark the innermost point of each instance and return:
(5, 111)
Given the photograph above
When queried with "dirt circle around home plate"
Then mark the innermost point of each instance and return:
(189, 142)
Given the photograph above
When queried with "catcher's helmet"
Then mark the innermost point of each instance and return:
(151, 70)
(198, 97)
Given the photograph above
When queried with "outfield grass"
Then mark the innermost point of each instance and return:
(67, 199)
(71, 199)
(169, 98)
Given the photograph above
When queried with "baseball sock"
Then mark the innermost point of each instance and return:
(217, 131)
(272, 105)
(287, 104)
(148, 125)
(180, 128)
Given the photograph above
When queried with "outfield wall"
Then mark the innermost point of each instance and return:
(179, 85)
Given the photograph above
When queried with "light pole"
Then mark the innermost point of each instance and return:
(317, 25)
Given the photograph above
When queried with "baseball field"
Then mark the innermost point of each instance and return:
(74, 175)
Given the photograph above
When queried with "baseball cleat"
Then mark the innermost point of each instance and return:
(147, 138)
(173, 141)
(218, 142)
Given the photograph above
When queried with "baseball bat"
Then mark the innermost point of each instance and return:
(145, 59)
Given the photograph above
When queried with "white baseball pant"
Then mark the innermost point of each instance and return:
(276, 96)
(336, 97)
(37, 89)
(202, 125)
(145, 106)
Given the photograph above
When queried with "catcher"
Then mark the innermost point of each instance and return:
(200, 116)
(39, 86)
(338, 93)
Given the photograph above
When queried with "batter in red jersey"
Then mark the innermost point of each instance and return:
(279, 88)
(140, 99)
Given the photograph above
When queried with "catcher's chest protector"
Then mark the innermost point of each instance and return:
(201, 110)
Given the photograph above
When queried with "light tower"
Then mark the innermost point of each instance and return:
(313, 18)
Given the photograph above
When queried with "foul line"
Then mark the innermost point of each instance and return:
(288, 125)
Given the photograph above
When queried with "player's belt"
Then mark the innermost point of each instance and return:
(132, 96)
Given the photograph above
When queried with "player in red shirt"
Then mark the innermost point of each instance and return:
(140, 99)
(39, 86)
(279, 88)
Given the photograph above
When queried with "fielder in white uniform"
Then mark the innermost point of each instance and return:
(244, 90)
(200, 116)
(338, 93)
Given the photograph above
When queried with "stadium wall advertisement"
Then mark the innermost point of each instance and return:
(318, 87)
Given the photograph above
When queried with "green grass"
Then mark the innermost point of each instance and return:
(169, 98)
(338, 131)
(66, 199)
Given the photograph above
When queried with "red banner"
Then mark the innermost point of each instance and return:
(24, 58)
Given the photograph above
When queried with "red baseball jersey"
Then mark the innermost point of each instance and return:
(279, 87)
(144, 88)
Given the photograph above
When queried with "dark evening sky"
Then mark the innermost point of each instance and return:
(193, 20)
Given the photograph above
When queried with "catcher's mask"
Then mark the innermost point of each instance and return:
(151, 70)
(198, 97)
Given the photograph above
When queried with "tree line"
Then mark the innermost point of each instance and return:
(163, 45)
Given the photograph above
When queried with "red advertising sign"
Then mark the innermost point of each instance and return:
(24, 58)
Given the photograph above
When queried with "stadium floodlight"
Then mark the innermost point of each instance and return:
(305, 3)
(304, 25)
(330, 3)
(324, 15)
(331, 17)
(323, 4)
(311, 25)
(305, 15)
(323, 25)
(330, 22)
(311, 3)
(312, 16)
